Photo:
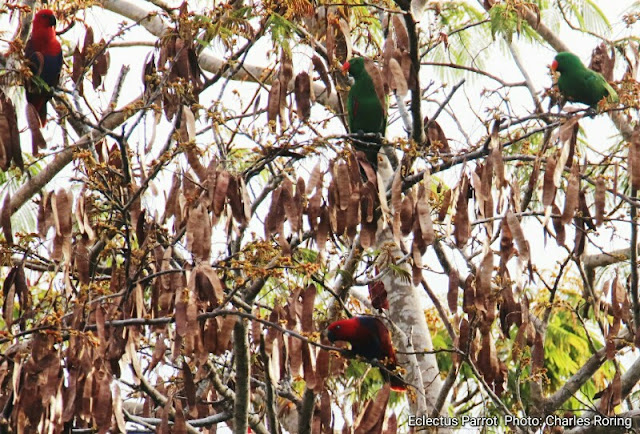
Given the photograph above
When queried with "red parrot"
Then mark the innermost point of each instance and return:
(45, 60)
(369, 338)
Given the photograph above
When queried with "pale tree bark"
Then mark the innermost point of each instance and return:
(407, 314)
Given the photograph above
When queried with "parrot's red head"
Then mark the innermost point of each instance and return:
(343, 330)
(43, 33)
(345, 67)
(554, 65)
(44, 19)
(369, 338)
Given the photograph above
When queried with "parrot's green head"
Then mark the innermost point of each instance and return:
(566, 61)
(355, 67)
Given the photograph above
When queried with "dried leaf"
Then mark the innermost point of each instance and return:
(398, 83)
(558, 226)
(518, 236)
(323, 229)
(100, 66)
(189, 385)
(602, 62)
(88, 41)
(5, 219)
(199, 233)
(315, 179)
(462, 226)
(423, 214)
(506, 243)
(378, 295)
(303, 95)
(583, 209)
(483, 280)
(9, 135)
(612, 335)
(510, 312)
(572, 195)
(308, 299)
(172, 208)
(387, 55)
(322, 367)
(396, 192)
(273, 104)
(344, 45)
(235, 200)
(325, 411)
(537, 354)
(400, 30)
(330, 42)
(295, 355)
(321, 69)
(463, 340)
(409, 70)
(373, 413)
(469, 295)
(81, 259)
(220, 195)
(224, 334)
(444, 207)
(406, 215)
(187, 125)
(487, 359)
(63, 202)
(34, 123)
(208, 284)
(634, 158)
(286, 198)
(343, 185)
(549, 187)
(601, 190)
(452, 295)
(531, 185)
(436, 138)
(378, 83)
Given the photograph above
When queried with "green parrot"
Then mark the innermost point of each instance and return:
(366, 109)
(578, 83)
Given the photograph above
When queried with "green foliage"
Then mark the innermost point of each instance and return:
(442, 340)
(366, 381)
(463, 44)
(507, 20)
(281, 30)
(588, 15)
(567, 349)
(225, 27)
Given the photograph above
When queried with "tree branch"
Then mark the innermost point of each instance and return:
(243, 373)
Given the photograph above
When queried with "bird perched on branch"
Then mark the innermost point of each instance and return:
(366, 107)
(369, 338)
(577, 83)
(44, 53)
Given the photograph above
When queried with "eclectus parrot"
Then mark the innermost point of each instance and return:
(578, 83)
(366, 109)
(45, 57)
(370, 339)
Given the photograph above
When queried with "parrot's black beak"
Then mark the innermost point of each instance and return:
(328, 334)
(52, 21)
